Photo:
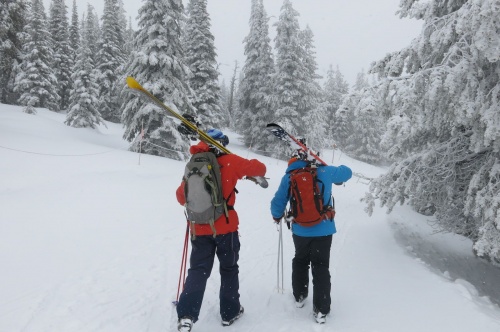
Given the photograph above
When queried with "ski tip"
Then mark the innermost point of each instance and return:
(269, 125)
(133, 84)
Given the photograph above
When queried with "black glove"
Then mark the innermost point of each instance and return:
(339, 183)
(277, 220)
(187, 131)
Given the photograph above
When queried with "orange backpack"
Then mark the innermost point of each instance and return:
(306, 198)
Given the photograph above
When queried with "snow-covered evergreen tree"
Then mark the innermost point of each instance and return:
(443, 96)
(360, 123)
(316, 120)
(366, 123)
(344, 117)
(315, 109)
(224, 99)
(129, 39)
(109, 59)
(232, 104)
(13, 15)
(35, 79)
(93, 29)
(123, 23)
(289, 83)
(361, 81)
(334, 89)
(255, 86)
(74, 30)
(83, 110)
(200, 56)
(157, 64)
(62, 61)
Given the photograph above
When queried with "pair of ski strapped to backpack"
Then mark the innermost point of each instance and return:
(306, 198)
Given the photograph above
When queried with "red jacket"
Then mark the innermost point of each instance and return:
(232, 168)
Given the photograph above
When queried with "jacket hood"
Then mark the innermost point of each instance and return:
(296, 165)
(200, 147)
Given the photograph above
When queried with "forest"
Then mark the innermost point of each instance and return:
(429, 112)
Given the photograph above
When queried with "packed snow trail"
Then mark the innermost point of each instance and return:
(93, 242)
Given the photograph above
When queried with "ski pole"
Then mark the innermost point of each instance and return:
(282, 274)
(280, 259)
(182, 272)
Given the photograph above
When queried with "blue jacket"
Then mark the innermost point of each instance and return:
(326, 174)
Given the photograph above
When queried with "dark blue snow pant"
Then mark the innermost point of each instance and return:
(203, 250)
(314, 251)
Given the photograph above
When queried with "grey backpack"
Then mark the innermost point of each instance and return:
(203, 190)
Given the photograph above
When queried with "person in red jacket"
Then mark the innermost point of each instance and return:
(225, 244)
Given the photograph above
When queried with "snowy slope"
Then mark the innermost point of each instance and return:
(91, 241)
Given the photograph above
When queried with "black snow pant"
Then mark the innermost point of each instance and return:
(316, 252)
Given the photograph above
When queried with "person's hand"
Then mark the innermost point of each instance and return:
(339, 183)
(185, 130)
(277, 220)
(329, 213)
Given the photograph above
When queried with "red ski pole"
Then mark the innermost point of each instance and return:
(182, 272)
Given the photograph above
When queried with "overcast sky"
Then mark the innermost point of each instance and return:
(347, 33)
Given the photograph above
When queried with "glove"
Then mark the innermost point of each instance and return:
(329, 213)
(187, 131)
(339, 183)
(277, 220)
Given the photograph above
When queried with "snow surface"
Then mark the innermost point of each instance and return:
(91, 240)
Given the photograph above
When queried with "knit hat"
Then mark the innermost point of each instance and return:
(219, 136)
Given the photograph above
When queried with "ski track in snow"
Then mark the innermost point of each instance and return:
(99, 248)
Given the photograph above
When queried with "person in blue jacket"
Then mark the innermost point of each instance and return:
(312, 243)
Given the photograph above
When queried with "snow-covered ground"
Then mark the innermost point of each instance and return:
(91, 240)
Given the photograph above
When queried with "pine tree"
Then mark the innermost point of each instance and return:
(35, 79)
(442, 96)
(83, 110)
(200, 56)
(316, 120)
(359, 121)
(110, 57)
(314, 91)
(363, 141)
(13, 15)
(62, 60)
(125, 40)
(93, 29)
(224, 94)
(122, 26)
(335, 88)
(232, 105)
(361, 81)
(289, 84)
(315, 109)
(120, 87)
(157, 63)
(74, 31)
(255, 87)
(344, 117)
(129, 39)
